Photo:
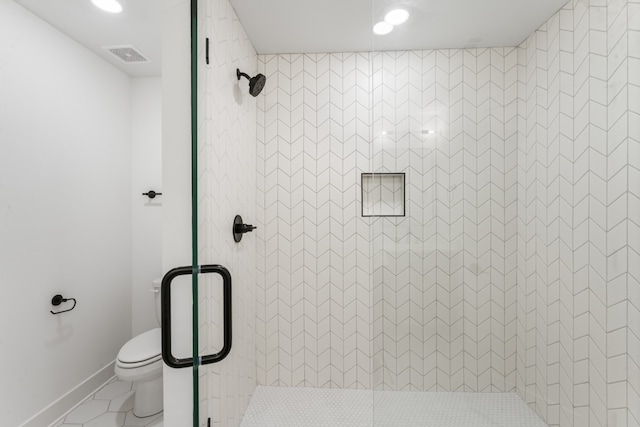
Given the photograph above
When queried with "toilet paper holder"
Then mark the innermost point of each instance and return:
(59, 299)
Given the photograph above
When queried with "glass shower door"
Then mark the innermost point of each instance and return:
(209, 284)
(224, 121)
(444, 271)
(415, 227)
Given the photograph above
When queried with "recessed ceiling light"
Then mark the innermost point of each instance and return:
(382, 28)
(111, 6)
(396, 17)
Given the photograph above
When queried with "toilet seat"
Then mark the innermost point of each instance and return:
(140, 364)
(141, 357)
(140, 373)
(142, 350)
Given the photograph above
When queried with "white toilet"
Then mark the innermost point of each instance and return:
(140, 362)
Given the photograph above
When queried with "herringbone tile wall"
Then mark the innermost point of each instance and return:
(578, 238)
(314, 283)
(516, 265)
(444, 276)
(423, 302)
(226, 180)
(633, 219)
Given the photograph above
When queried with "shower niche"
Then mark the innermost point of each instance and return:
(383, 194)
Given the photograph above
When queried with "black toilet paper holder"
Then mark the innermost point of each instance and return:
(59, 299)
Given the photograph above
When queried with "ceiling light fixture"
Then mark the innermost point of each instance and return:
(111, 6)
(382, 28)
(396, 17)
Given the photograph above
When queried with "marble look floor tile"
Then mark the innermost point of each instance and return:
(111, 406)
(113, 390)
(87, 411)
(132, 420)
(122, 403)
(155, 423)
(108, 419)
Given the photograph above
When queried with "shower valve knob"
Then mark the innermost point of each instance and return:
(245, 228)
(240, 228)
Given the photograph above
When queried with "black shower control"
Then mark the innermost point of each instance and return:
(244, 228)
(240, 228)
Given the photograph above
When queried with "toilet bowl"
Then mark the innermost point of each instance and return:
(140, 362)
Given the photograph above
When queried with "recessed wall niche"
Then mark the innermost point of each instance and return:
(383, 194)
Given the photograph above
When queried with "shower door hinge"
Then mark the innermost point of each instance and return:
(207, 50)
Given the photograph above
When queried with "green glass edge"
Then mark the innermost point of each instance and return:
(194, 210)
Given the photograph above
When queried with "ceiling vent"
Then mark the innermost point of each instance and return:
(128, 54)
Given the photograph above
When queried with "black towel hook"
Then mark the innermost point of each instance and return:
(59, 299)
(151, 194)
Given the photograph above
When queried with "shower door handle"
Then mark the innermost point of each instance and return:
(167, 355)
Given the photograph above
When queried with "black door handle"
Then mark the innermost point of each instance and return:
(167, 355)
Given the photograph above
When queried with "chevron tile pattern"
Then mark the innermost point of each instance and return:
(226, 179)
(313, 321)
(441, 314)
(633, 218)
(514, 267)
(422, 302)
(576, 304)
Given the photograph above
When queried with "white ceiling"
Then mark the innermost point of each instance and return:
(140, 25)
(299, 26)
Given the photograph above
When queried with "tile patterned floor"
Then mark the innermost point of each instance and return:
(308, 407)
(111, 406)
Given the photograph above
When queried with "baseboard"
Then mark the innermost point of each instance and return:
(71, 399)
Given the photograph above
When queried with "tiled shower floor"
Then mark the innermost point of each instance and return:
(111, 406)
(302, 407)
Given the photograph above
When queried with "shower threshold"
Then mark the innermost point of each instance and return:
(302, 407)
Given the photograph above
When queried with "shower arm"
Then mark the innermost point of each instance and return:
(241, 74)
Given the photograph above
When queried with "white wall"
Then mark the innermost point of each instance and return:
(146, 146)
(65, 215)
